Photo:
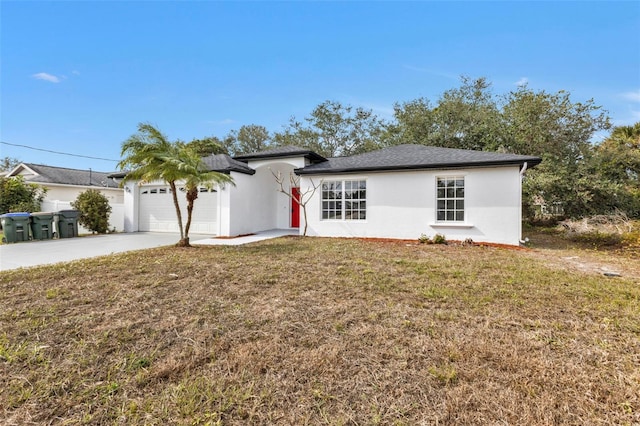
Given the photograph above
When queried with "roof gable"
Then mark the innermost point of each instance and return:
(224, 164)
(415, 157)
(39, 173)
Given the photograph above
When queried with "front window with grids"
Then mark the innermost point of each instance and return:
(344, 200)
(450, 199)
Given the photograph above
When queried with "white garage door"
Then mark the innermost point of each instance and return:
(158, 214)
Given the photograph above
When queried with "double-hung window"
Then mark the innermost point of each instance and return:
(344, 200)
(450, 199)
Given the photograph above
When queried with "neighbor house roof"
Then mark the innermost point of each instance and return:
(282, 152)
(416, 157)
(39, 173)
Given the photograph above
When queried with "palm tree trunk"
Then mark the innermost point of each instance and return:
(172, 185)
(192, 195)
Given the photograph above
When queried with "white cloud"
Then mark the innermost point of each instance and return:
(46, 77)
(633, 96)
(74, 72)
(522, 82)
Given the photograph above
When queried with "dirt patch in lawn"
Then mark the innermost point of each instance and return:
(318, 331)
(553, 249)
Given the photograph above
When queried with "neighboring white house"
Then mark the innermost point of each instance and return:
(398, 192)
(64, 185)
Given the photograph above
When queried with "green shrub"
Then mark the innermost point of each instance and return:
(439, 239)
(631, 238)
(94, 210)
(597, 238)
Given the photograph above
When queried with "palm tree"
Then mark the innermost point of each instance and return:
(151, 156)
(618, 157)
(193, 172)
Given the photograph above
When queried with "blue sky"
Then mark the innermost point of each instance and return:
(77, 77)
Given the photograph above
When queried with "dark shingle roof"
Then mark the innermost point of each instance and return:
(415, 157)
(216, 163)
(64, 176)
(281, 152)
(224, 164)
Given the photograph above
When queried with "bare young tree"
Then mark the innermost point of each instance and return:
(302, 198)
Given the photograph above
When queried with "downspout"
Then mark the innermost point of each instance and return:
(219, 211)
(522, 171)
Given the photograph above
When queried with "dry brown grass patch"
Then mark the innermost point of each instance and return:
(318, 331)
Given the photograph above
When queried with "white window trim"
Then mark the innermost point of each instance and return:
(451, 223)
(342, 181)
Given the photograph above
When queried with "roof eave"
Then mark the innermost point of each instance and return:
(243, 171)
(343, 170)
(312, 156)
(73, 185)
(117, 175)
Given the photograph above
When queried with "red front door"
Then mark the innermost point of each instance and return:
(295, 208)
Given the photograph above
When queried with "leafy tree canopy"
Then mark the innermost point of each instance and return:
(17, 195)
(539, 123)
(333, 130)
(466, 117)
(207, 146)
(8, 163)
(248, 139)
(618, 157)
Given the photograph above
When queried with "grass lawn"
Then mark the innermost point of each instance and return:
(322, 331)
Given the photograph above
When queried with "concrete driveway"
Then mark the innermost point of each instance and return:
(35, 253)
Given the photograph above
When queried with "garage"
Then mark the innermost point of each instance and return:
(157, 212)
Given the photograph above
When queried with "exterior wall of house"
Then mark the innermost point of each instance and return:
(403, 205)
(236, 206)
(255, 202)
(59, 197)
(71, 192)
(131, 206)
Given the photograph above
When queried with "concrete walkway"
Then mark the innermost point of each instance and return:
(35, 253)
(259, 236)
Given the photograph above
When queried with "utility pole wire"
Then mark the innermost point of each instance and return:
(58, 152)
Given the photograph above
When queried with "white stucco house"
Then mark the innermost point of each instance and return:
(398, 192)
(63, 186)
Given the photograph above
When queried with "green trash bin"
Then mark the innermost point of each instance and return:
(15, 227)
(42, 226)
(68, 223)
